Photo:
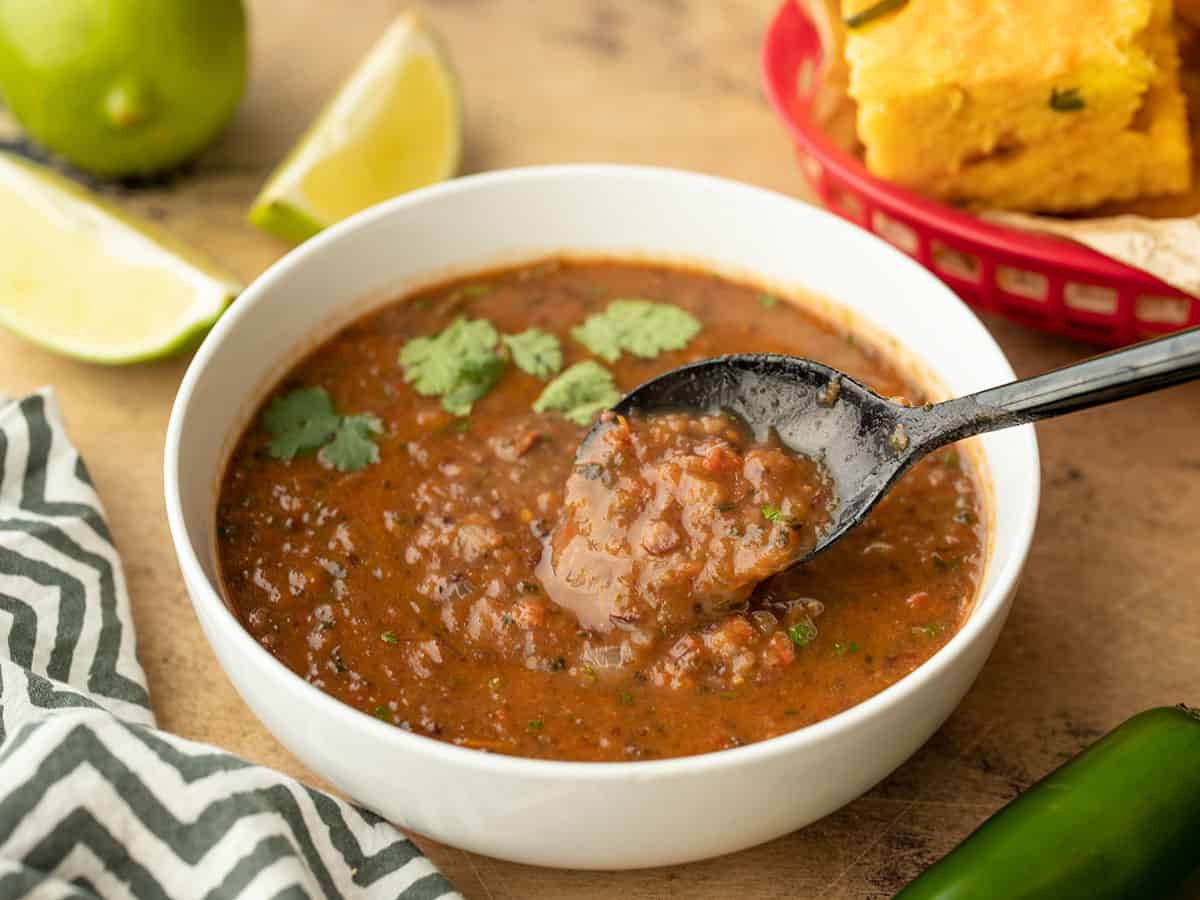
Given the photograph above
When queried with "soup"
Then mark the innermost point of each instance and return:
(674, 519)
(392, 524)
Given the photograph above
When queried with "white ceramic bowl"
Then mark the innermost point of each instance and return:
(588, 815)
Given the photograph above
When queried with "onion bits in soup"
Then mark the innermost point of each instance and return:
(405, 524)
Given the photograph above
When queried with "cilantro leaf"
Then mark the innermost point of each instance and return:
(305, 420)
(459, 365)
(661, 327)
(352, 447)
(535, 351)
(601, 334)
(299, 421)
(580, 392)
(433, 365)
(641, 327)
(475, 378)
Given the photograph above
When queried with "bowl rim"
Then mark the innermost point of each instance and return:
(209, 604)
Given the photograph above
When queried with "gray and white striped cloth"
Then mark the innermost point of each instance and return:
(94, 800)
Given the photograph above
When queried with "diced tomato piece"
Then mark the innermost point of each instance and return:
(719, 459)
(780, 650)
(919, 600)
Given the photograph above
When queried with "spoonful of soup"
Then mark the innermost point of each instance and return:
(675, 517)
(712, 477)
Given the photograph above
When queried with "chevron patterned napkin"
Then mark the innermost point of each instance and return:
(94, 801)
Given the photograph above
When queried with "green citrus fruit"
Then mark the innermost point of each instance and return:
(395, 125)
(87, 280)
(122, 87)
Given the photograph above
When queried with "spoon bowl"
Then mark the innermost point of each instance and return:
(865, 442)
(816, 412)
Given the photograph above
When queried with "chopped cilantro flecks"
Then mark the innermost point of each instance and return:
(873, 12)
(945, 563)
(802, 633)
(382, 712)
(455, 300)
(579, 393)
(471, 290)
(534, 725)
(641, 327)
(1067, 100)
(625, 698)
(768, 301)
(305, 420)
(389, 637)
(932, 630)
(535, 351)
(843, 649)
(459, 365)
(778, 516)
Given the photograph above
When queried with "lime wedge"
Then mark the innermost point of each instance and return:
(86, 280)
(395, 125)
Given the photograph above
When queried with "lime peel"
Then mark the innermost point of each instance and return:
(395, 125)
(87, 280)
(122, 87)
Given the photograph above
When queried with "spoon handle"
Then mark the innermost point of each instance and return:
(1139, 369)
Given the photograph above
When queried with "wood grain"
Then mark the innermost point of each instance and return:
(1106, 622)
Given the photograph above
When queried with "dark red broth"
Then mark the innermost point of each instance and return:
(412, 588)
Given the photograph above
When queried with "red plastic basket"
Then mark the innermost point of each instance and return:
(1045, 282)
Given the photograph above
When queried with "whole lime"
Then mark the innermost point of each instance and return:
(122, 87)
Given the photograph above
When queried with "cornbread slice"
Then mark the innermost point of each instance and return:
(1019, 104)
(1174, 206)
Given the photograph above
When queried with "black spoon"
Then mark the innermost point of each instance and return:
(866, 442)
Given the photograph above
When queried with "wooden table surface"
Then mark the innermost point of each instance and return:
(1106, 622)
